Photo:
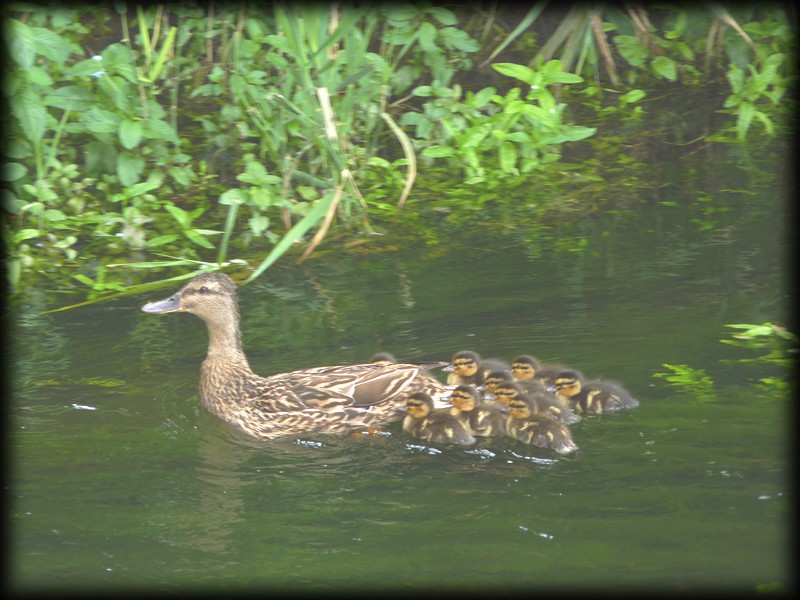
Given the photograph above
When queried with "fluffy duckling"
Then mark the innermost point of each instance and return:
(496, 378)
(468, 368)
(383, 358)
(525, 425)
(483, 418)
(596, 396)
(541, 403)
(437, 426)
(526, 368)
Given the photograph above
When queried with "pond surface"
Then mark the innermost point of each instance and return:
(120, 479)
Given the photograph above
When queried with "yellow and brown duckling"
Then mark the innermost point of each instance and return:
(542, 403)
(596, 396)
(527, 368)
(526, 425)
(468, 368)
(483, 418)
(321, 399)
(439, 426)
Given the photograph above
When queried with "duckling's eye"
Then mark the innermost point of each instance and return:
(463, 363)
(520, 367)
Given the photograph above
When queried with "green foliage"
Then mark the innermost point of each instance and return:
(246, 129)
(781, 351)
(521, 133)
(690, 381)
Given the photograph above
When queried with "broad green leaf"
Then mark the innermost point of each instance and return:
(520, 72)
(98, 120)
(438, 152)
(130, 133)
(665, 67)
(21, 44)
(129, 168)
(71, 97)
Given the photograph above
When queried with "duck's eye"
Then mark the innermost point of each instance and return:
(204, 289)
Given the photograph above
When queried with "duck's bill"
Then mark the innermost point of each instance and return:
(171, 304)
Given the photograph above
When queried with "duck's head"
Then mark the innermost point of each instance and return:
(210, 296)
(524, 367)
(383, 358)
(464, 363)
(568, 383)
(465, 398)
(419, 405)
(508, 391)
(494, 379)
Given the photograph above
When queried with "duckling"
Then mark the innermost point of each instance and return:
(495, 378)
(525, 425)
(526, 368)
(468, 368)
(483, 418)
(328, 399)
(596, 396)
(541, 403)
(437, 426)
(383, 358)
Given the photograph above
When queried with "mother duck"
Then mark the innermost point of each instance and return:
(321, 399)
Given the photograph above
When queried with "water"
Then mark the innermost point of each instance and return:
(120, 479)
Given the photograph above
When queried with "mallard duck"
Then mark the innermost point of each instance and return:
(542, 403)
(468, 368)
(527, 368)
(525, 425)
(596, 396)
(321, 399)
(437, 426)
(483, 418)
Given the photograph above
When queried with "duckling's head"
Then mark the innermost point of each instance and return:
(465, 398)
(508, 391)
(524, 367)
(568, 383)
(520, 407)
(419, 405)
(495, 378)
(465, 363)
(383, 358)
(209, 295)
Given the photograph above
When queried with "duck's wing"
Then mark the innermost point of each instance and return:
(348, 385)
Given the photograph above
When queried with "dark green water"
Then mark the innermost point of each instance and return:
(120, 479)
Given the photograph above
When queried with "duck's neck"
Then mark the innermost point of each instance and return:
(225, 341)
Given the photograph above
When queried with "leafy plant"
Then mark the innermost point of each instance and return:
(690, 381)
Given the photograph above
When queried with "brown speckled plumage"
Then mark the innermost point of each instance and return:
(322, 399)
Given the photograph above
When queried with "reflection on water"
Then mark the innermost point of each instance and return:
(120, 478)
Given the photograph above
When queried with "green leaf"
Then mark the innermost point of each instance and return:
(129, 168)
(521, 72)
(130, 133)
(294, 235)
(198, 239)
(631, 49)
(71, 97)
(30, 113)
(161, 130)
(21, 44)
(438, 152)
(427, 37)
(14, 171)
(98, 120)
(665, 67)
(508, 158)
